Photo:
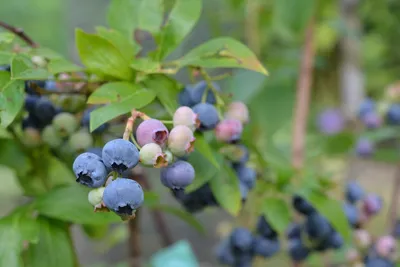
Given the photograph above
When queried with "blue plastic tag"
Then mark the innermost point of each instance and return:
(179, 254)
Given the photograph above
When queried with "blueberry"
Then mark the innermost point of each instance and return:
(396, 230)
(181, 141)
(265, 229)
(302, 206)
(335, 240)
(265, 247)
(196, 200)
(294, 231)
(186, 116)
(386, 246)
(224, 252)
(372, 204)
(393, 114)
(208, 116)
(241, 239)
(317, 227)
(379, 262)
(95, 196)
(86, 121)
(80, 141)
(65, 124)
(352, 214)
(30, 103)
(228, 130)
(368, 105)
(354, 192)
(5, 68)
(31, 122)
(90, 170)
(364, 147)
(372, 120)
(244, 190)
(152, 155)
(238, 111)
(297, 250)
(196, 91)
(95, 150)
(243, 260)
(151, 131)
(178, 175)
(331, 121)
(246, 175)
(44, 110)
(237, 154)
(123, 196)
(50, 86)
(120, 155)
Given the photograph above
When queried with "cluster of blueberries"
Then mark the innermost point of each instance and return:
(240, 247)
(228, 131)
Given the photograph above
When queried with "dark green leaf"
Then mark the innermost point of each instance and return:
(12, 155)
(4, 79)
(205, 171)
(225, 187)
(101, 56)
(112, 92)
(104, 114)
(5, 57)
(277, 212)
(223, 52)
(60, 65)
(54, 247)
(126, 46)
(391, 155)
(338, 144)
(204, 148)
(11, 101)
(33, 74)
(70, 203)
(181, 20)
(166, 90)
(183, 215)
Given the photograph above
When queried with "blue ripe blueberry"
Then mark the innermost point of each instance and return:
(317, 227)
(95, 150)
(368, 105)
(30, 103)
(123, 196)
(302, 206)
(246, 175)
(31, 121)
(264, 228)
(335, 240)
(50, 85)
(265, 247)
(354, 192)
(224, 252)
(44, 110)
(294, 231)
(379, 262)
(393, 114)
(396, 230)
(86, 121)
(196, 92)
(120, 155)
(244, 191)
(331, 121)
(208, 116)
(352, 214)
(372, 204)
(297, 250)
(372, 120)
(5, 68)
(90, 170)
(244, 260)
(184, 98)
(364, 147)
(177, 175)
(241, 239)
(151, 131)
(228, 130)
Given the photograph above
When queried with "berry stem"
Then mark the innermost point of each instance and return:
(221, 76)
(129, 125)
(20, 33)
(134, 142)
(210, 86)
(167, 122)
(392, 215)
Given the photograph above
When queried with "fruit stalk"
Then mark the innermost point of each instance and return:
(392, 215)
(134, 242)
(20, 33)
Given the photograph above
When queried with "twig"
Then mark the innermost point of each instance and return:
(134, 241)
(392, 215)
(20, 33)
(303, 98)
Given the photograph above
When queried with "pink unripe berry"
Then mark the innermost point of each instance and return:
(181, 141)
(385, 246)
(151, 131)
(185, 116)
(238, 111)
(362, 238)
(228, 130)
(152, 155)
(352, 255)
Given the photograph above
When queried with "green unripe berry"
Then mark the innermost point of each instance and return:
(65, 124)
(80, 141)
(51, 137)
(95, 196)
(32, 137)
(151, 154)
(169, 156)
(71, 103)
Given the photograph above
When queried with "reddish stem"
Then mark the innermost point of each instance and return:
(20, 33)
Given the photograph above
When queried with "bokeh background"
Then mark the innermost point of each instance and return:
(357, 56)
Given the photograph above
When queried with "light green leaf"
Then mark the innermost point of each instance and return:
(70, 204)
(146, 65)
(181, 21)
(223, 52)
(277, 212)
(183, 215)
(202, 146)
(166, 90)
(4, 79)
(6, 37)
(59, 173)
(12, 155)
(136, 100)
(60, 65)
(244, 85)
(225, 187)
(33, 74)
(126, 46)
(112, 92)
(19, 64)
(5, 57)
(101, 56)
(11, 102)
(55, 243)
(205, 171)
(46, 53)
(150, 15)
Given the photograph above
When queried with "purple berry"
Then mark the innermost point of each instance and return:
(228, 130)
(367, 106)
(181, 141)
(178, 175)
(208, 116)
(151, 131)
(372, 204)
(354, 192)
(238, 111)
(385, 246)
(372, 120)
(90, 170)
(241, 240)
(120, 155)
(224, 252)
(364, 147)
(297, 250)
(152, 155)
(186, 116)
(123, 196)
(265, 247)
(331, 122)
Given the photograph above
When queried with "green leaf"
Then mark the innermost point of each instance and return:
(146, 65)
(4, 79)
(55, 243)
(338, 144)
(101, 56)
(33, 74)
(151, 198)
(390, 155)
(12, 155)
(332, 209)
(251, 81)
(47, 53)
(223, 52)
(166, 90)
(183, 215)
(60, 65)
(205, 171)
(126, 46)
(6, 37)
(277, 212)
(225, 187)
(205, 149)
(11, 102)
(19, 64)
(181, 21)
(150, 15)
(381, 134)
(5, 57)
(112, 92)
(135, 100)
(69, 203)
(58, 173)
